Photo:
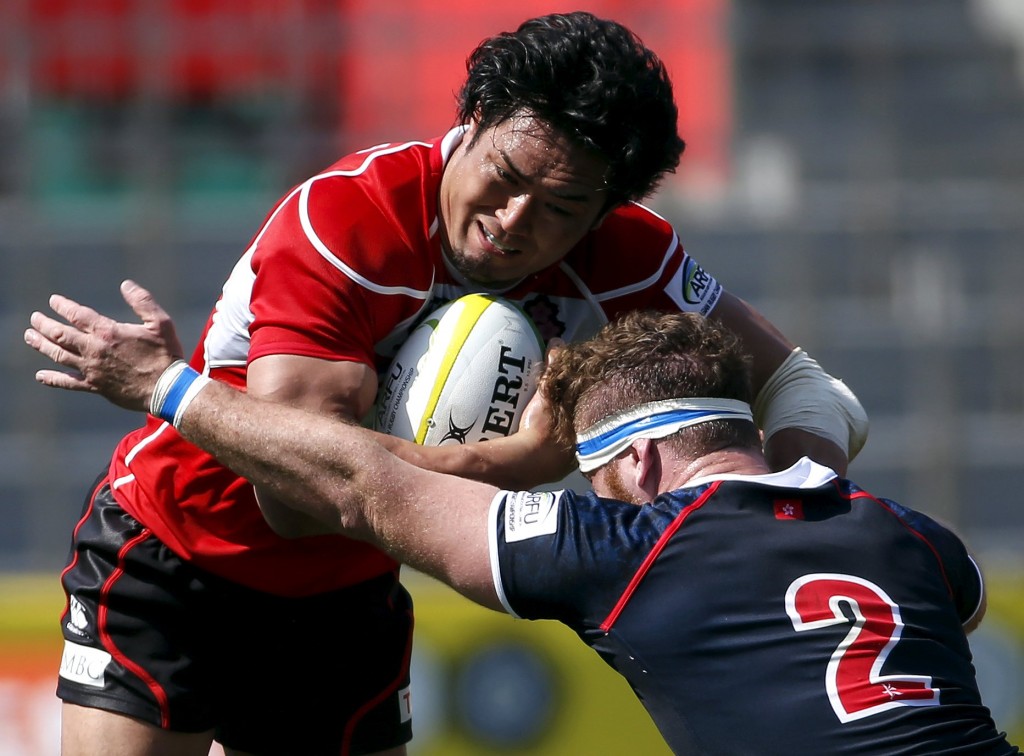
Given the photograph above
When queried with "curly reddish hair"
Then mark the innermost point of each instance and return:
(646, 356)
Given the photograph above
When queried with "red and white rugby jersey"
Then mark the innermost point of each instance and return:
(342, 268)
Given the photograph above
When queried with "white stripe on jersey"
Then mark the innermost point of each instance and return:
(492, 548)
(227, 343)
(329, 256)
(650, 280)
(142, 445)
(588, 295)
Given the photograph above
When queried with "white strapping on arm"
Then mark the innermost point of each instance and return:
(801, 395)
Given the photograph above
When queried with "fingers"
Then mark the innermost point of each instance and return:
(64, 343)
(141, 301)
(58, 341)
(152, 315)
(72, 381)
(121, 361)
(69, 381)
(82, 317)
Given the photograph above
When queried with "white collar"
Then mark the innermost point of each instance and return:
(805, 473)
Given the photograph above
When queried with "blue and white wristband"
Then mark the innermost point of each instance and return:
(175, 389)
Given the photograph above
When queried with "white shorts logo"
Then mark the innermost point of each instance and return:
(404, 705)
(529, 514)
(78, 622)
(82, 664)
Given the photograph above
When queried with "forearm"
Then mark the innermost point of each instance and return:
(338, 474)
(522, 461)
(296, 456)
(804, 411)
(337, 389)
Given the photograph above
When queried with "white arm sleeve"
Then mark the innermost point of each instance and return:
(801, 395)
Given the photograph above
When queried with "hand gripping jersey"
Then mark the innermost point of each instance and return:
(777, 614)
(342, 269)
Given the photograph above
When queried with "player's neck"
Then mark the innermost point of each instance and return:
(732, 461)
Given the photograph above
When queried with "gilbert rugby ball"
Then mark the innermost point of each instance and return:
(465, 374)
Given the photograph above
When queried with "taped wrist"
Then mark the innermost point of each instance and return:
(175, 389)
(801, 395)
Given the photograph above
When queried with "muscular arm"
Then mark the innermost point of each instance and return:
(343, 390)
(336, 474)
(331, 472)
(527, 458)
(769, 348)
(347, 390)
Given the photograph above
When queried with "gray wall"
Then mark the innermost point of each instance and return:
(875, 213)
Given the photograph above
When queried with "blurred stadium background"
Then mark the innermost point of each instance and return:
(855, 169)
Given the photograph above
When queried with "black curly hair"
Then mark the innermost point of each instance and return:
(591, 79)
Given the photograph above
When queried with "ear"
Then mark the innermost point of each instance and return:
(646, 463)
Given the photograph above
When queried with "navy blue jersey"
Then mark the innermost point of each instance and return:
(785, 613)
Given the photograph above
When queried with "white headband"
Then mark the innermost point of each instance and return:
(605, 440)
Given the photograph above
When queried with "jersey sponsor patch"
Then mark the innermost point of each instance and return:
(529, 514)
(83, 664)
(693, 289)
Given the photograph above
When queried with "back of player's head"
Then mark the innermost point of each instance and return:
(590, 78)
(648, 356)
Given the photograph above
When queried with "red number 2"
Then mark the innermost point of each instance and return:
(856, 688)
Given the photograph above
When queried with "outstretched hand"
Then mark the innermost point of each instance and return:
(120, 361)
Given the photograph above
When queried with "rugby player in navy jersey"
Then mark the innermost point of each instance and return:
(562, 127)
(753, 612)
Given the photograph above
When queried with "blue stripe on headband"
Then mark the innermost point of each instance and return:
(605, 440)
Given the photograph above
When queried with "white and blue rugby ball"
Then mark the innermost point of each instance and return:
(465, 374)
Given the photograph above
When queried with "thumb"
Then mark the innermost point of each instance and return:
(152, 315)
(142, 303)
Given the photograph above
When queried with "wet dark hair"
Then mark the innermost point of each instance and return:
(591, 79)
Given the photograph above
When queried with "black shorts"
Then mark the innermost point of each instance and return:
(149, 635)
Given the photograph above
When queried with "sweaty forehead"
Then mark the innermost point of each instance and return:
(537, 151)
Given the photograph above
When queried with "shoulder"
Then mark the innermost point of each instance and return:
(948, 547)
(391, 183)
(527, 515)
(635, 218)
(633, 253)
(369, 216)
(630, 235)
(546, 545)
(949, 553)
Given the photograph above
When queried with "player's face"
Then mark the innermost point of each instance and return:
(516, 198)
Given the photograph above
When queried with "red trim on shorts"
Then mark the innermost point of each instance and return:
(155, 688)
(74, 538)
(358, 714)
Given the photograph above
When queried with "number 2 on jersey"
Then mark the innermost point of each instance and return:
(856, 688)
